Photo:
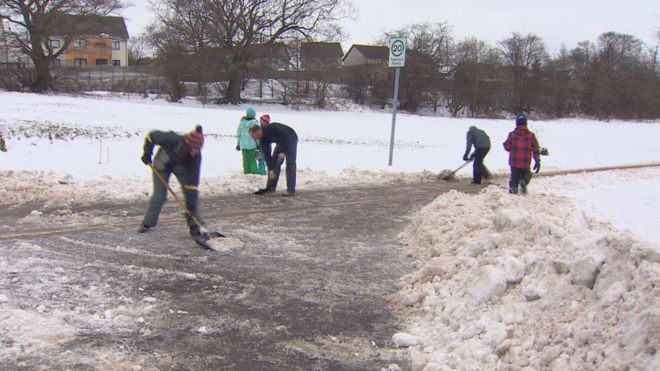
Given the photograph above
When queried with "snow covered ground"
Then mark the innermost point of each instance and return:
(628, 199)
(91, 137)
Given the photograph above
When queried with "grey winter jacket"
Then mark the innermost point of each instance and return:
(478, 138)
(167, 158)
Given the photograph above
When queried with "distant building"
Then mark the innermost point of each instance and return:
(321, 54)
(359, 55)
(10, 53)
(97, 41)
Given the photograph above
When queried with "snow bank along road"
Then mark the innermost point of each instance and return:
(308, 290)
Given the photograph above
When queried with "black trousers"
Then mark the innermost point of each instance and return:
(520, 178)
(291, 168)
(479, 170)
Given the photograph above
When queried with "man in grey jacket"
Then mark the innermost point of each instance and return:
(179, 155)
(481, 142)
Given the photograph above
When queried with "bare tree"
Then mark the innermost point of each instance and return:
(138, 51)
(31, 25)
(472, 65)
(188, 23)
(524, 54)
(235, 26)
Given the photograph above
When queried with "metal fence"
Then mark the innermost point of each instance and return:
(133, 79)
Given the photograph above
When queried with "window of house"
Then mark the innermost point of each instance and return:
(116, 45)
(80, 62)
(116, 63)
(101, 62)
(56, 62)
(54, 43)
(80, 43)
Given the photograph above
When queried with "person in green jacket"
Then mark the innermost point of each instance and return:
(246, 144)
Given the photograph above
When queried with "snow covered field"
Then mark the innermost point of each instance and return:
(71, 135)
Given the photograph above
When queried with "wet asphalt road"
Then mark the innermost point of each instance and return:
(307, 291)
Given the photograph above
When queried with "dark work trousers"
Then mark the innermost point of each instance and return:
(479, 170)
(291, 168)
(520, 178)
(189, 186)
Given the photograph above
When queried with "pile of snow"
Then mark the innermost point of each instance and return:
(527, 282)
(20, 187)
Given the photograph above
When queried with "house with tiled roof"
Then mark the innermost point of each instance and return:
(359, 55)
(96, 41)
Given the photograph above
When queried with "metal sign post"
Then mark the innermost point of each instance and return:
(397, 60)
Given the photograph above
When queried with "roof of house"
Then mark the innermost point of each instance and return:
(79, 25)
(371, 51)
(272, 50)
(321, 50)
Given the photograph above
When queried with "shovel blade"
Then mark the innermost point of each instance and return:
(203, 239)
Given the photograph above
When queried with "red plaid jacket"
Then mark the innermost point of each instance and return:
(522, 145)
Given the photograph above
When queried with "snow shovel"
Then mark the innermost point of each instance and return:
(452, 175)
(204, 238)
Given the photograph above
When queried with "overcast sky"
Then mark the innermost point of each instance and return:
(557, 21)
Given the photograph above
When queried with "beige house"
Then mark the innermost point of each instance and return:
(97, 41)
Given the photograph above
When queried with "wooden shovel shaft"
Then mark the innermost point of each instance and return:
(176, 197)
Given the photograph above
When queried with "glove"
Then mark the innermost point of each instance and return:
(238, 148)
(537, 166)
(465, 157)
(146, 159)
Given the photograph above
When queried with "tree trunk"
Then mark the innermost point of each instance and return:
(44, 79)
(233, 93)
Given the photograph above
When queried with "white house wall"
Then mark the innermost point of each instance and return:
(354, 58)
(122, 54)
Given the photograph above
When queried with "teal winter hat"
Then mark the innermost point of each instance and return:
(251, 113)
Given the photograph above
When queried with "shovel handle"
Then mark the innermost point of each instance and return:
(176, 197)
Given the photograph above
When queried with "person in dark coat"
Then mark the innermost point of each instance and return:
(286, 148)
(3, 145)
(180, 155)
(522, 146)
(481, 142)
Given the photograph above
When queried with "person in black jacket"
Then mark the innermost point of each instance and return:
(179, 155)
(286, 148)
(481, 142)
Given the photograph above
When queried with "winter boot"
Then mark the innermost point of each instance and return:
(513, 190)
(144, 229)
(194, 230)
(523, 186)
(289, 194)
(263, 191)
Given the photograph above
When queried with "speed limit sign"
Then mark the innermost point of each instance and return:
(397, 52)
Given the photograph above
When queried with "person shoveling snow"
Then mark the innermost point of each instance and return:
(182, 156)
(3, 145)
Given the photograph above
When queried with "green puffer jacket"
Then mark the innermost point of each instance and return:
(243, 138)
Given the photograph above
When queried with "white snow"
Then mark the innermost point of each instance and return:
(628, 199)
(507, 282)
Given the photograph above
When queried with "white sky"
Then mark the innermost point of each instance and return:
(557, 21)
